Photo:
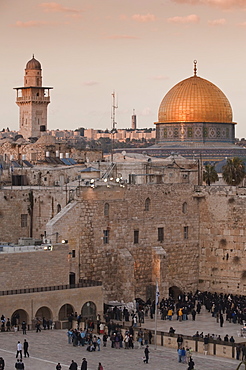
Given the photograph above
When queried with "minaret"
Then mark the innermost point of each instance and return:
(33, 100)
(134, 121)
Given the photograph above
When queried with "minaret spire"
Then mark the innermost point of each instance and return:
(195, 69)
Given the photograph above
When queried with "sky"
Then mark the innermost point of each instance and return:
(138, 49)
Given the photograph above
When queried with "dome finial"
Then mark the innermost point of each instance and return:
(195, 69)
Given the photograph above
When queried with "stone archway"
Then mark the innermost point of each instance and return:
(44, 312)
(174, 292)
(65, 311)
(89, 311)
(19, 316)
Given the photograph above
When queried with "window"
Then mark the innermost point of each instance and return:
(106, 209)
(184, 207)
(58, 208)
(160, 234)
(136, 236)
(105, 236)
(73, 253)
(147, 204)
(24, 220)
(185, 232)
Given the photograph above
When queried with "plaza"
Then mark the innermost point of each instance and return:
(51, 346)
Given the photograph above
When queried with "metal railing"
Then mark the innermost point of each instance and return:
(81, 284)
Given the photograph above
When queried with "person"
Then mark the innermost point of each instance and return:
(58, 366)
(84, 364)
(180, 340)
(38, 324)
(25, 347)
(191, 364)
(23, 327)
(17, 364)
(21, 365)
(105, 338)
(73, 366)
(2, 363)
(98, 343)
(238, 351)
(19, 350)
(171, 331)
(100, 367)
(179, 354)
(205, 342)
(8, 325)
(221, 320)
(146, 353)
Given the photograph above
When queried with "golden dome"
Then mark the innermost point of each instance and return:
(195, 100)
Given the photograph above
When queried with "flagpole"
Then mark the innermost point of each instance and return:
(156, 305)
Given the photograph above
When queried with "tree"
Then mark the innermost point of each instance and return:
(209, 174)
(233, 171)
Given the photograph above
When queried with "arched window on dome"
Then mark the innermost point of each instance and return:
(147, 204)
(106, 209)
(184, 207)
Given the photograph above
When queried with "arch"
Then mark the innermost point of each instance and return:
(18, 316)
(174, 292)
(147, 204)
(184, 207)
(58, 208)
(89, 310)
(65, 311)
(44, 312)
(106, 209)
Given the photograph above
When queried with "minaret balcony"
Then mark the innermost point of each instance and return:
(35, 99)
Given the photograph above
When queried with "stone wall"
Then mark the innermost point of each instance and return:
(129, 268)
(39, 206)
(39, 268)
(222, 240)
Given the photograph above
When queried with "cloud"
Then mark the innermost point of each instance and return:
(243, 24)
(224, 4)
(160, 77)
(217, 22)
(146, 112)
(90, 83)
(144, 17)
(29, 24)
(57, 8)
(118, 37)
(192, 18)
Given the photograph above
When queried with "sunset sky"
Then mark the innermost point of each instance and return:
(137, 48)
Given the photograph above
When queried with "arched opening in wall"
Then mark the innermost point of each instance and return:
(71, 278)
(65, 311)
(18, 317)
(89, 311)
(147, 204)
(58, 208)
(184, 207)
(174, 292)
(106, 209)
(44, 312)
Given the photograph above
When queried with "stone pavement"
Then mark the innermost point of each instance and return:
(49, 347)
(204, 323)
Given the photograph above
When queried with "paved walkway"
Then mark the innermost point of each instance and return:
(49, 347)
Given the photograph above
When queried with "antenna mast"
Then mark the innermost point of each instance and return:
(114, 123)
